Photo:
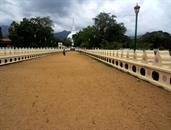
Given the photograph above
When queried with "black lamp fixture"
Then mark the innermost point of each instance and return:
(136, 9)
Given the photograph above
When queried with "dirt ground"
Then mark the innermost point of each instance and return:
(75, 92)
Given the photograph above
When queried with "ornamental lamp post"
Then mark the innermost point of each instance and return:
(136, 9)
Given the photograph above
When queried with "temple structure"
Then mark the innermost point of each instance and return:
(73, 31)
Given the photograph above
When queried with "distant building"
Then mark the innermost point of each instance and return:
(60, 45)
(5, 42)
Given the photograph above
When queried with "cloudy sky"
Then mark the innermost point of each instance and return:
(154, 14)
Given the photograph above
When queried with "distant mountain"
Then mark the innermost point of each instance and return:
(62, 35)
(4, 30)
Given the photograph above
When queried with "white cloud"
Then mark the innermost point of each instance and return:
(10, 10)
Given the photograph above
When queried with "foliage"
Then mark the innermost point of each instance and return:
(0, 36)
(1, 32)
(156, 39)
(86, 37)
(102, 34)
(67, 42)
(108, 28)
(33, 32)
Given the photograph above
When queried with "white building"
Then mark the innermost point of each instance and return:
(60, 45)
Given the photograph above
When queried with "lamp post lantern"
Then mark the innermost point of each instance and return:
(136, 9)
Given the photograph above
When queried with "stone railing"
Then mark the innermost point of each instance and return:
(152, 66)
(13, 55)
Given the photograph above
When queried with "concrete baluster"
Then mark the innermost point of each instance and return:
(162, 58)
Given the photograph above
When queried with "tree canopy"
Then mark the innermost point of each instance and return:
(105, 32)
(156, 39)
(1, 32)
(33, 32)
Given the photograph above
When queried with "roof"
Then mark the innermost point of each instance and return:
(5, 40)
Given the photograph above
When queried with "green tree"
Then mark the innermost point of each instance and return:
(67, 42)
(33, 32)
(105, 31)
(0, 36)
(86, 38)
(156, 39)
(108, 28)
(1, 32)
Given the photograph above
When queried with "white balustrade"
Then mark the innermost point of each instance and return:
(163, 58)
(119, 53)
(131, 55)
(12, 55)
(148, 56)
(125, 54)
(139, 55)
(145, 65)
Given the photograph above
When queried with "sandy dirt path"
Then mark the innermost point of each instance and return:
(75, 92)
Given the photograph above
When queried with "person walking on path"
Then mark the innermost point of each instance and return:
(64, 51)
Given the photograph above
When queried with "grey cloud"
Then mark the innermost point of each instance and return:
(154, 14)
(57, 7)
